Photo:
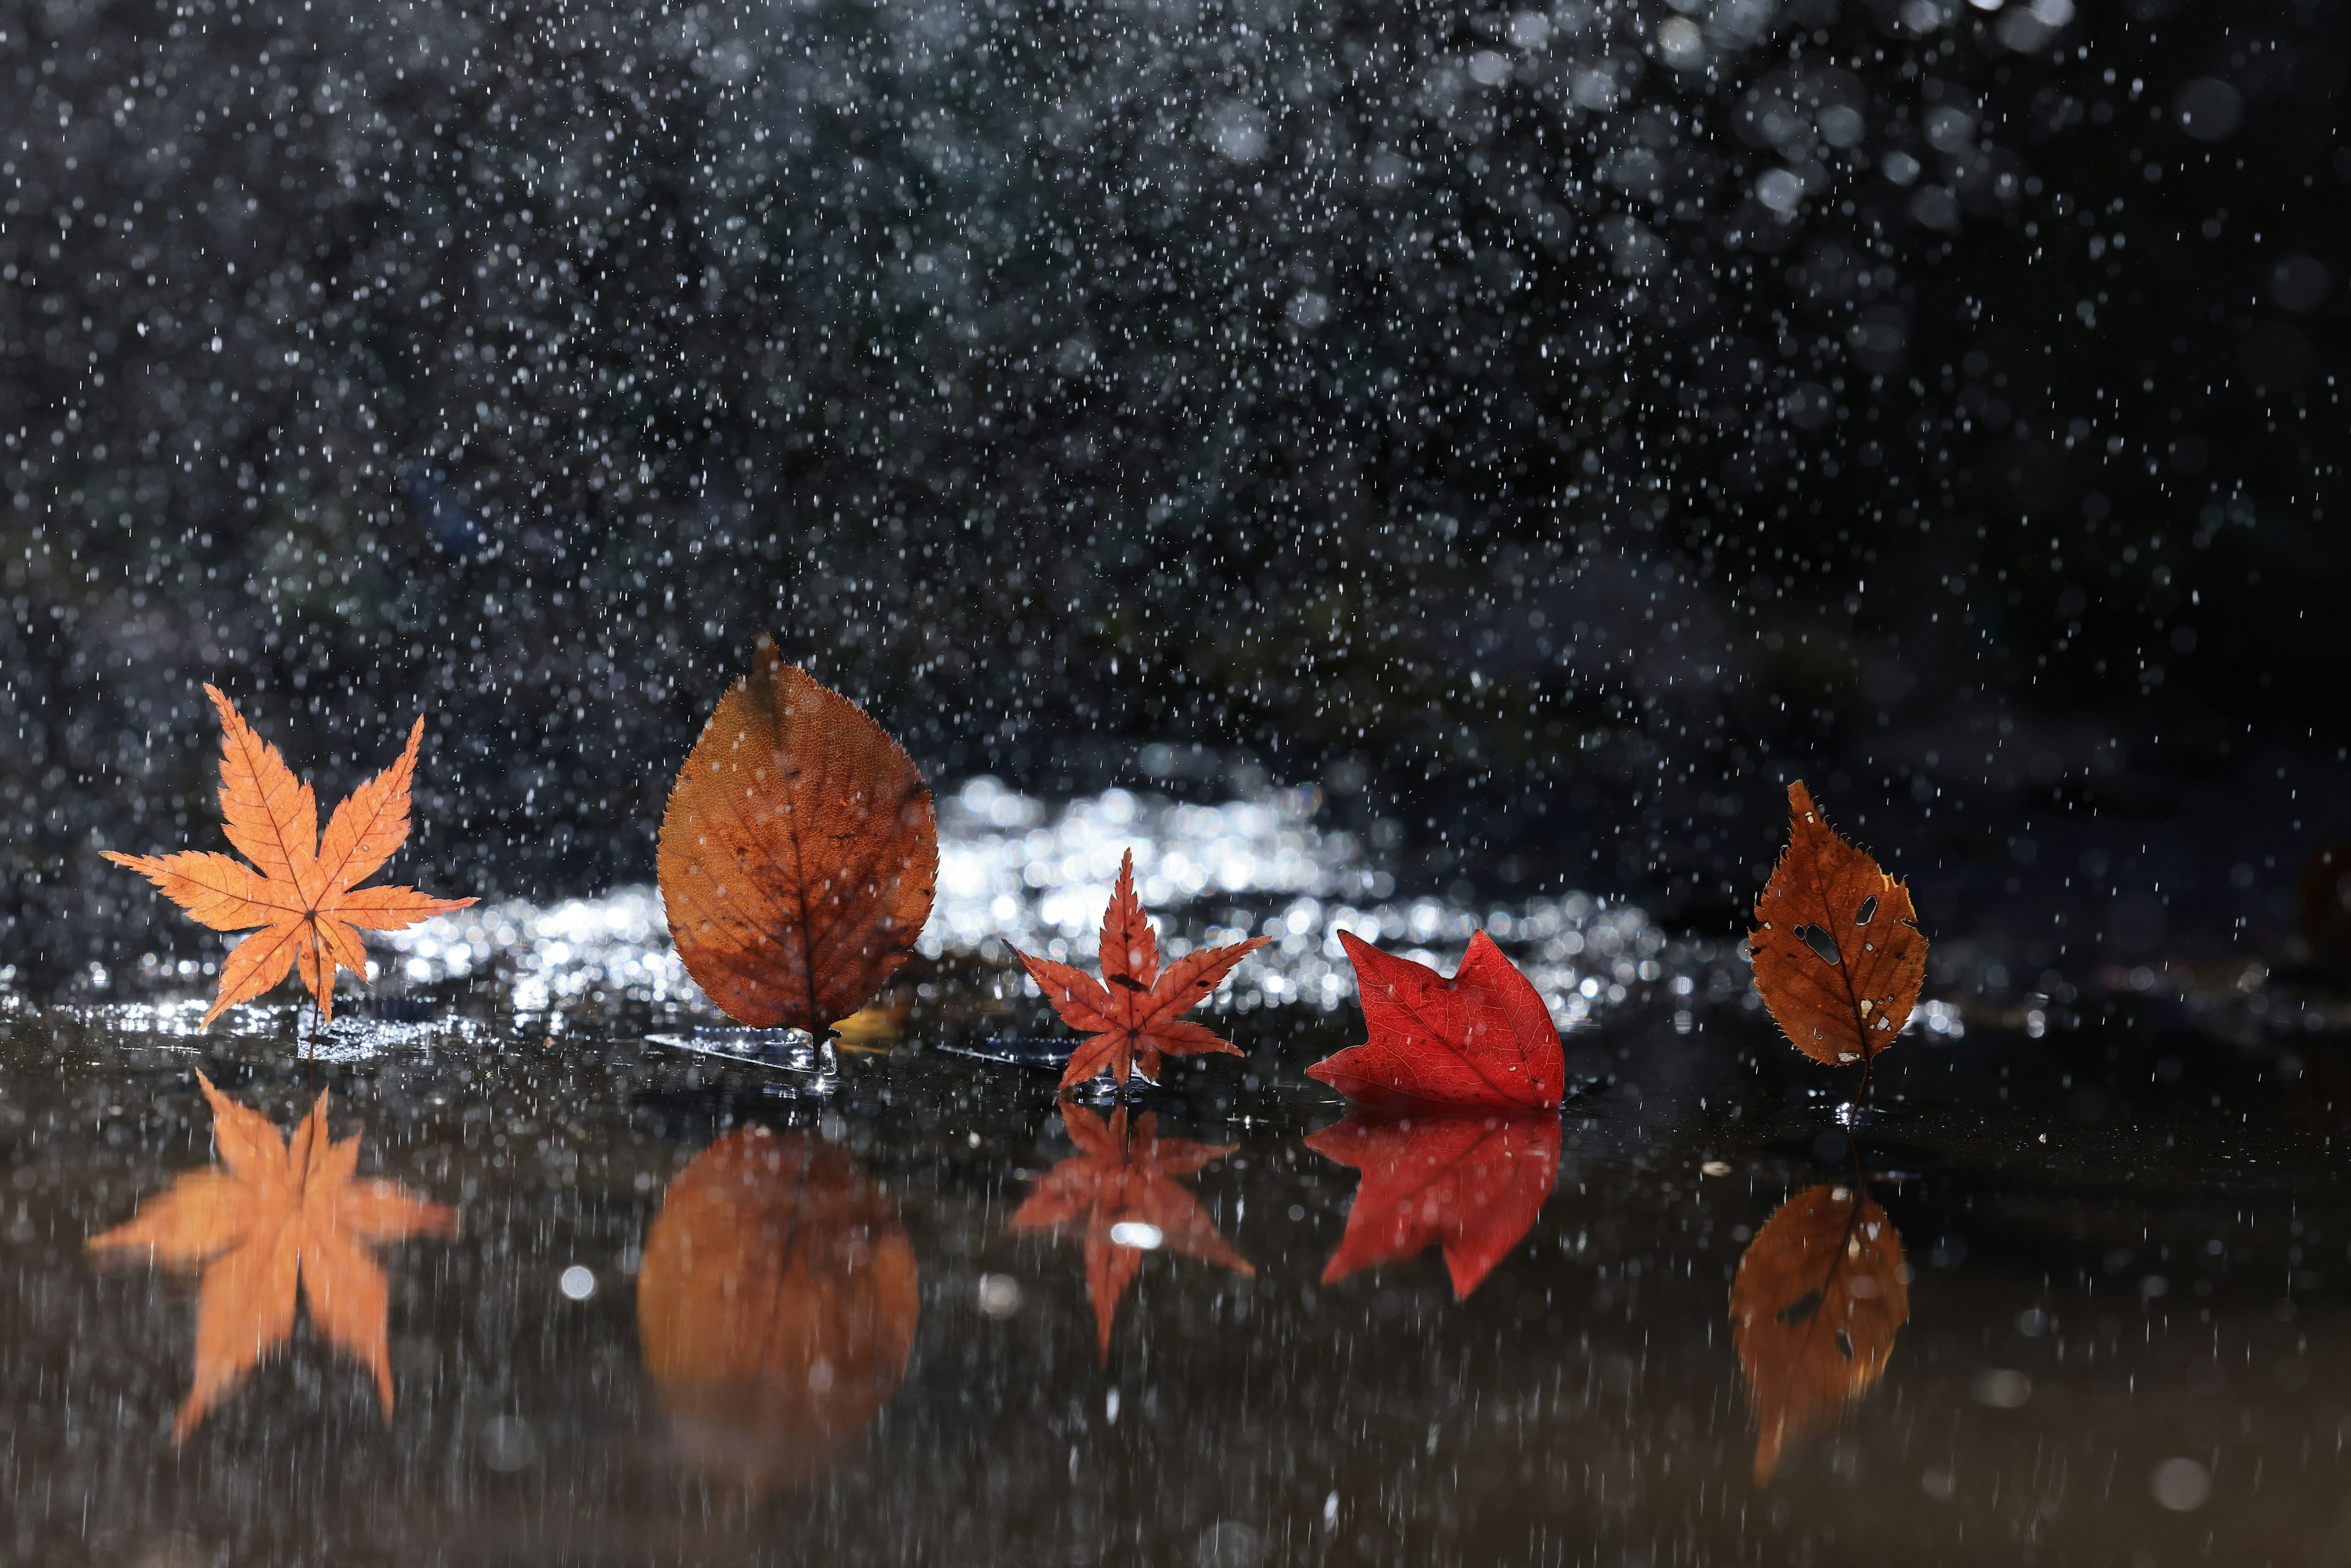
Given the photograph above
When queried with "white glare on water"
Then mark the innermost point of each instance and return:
(1018, 872)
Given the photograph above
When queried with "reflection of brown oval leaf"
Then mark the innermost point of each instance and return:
(776, 1306)
(1813, 1313)
(1838, 953)
(797, 854)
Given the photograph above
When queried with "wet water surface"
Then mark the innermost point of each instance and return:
(596, 1291)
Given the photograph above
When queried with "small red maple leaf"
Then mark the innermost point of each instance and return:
(1471, 1185)
(1482, 1038)
(1134, 1015)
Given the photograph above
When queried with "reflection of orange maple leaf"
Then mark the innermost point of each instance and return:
(1115, 1180)
(301, 889)
(1469, 1184)
(1821, 1293)
(272, 1212)
(1133, 1014)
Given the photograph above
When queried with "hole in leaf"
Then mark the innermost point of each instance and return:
(1868, 911)
(1801, 1309)
(1820, 943)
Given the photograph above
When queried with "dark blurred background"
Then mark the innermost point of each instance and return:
(1549, 429)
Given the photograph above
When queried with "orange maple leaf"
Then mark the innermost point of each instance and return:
(1119, 1193)
(300, 889)
(272, 1212)
(1133, 1014)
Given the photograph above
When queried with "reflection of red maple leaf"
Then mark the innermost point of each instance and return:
(1115, 1180)
(1482, 1038)
(1133, 1014)
(1471, 1184)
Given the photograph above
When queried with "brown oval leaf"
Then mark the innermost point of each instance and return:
(776, 1306)
(1838, 953)
(1820, 1295)
(798, 853)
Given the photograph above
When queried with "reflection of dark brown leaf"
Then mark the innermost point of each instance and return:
(270, 1213)
(1820, 1295)
(1117, 1179)
(776, 1304)
(798, 852)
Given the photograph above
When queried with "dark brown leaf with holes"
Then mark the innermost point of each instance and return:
(797, 854)
(1838, 953)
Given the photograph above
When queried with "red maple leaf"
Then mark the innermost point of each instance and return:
(1113, 1181)
(1134, 1015)
(1471, 1185)
(1482, 1038)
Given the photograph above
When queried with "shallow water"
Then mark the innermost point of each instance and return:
(2089, 1310)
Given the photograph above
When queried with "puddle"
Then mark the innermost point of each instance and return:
(2045, 1302)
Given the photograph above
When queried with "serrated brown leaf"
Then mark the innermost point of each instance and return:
(1821, 1293)
(301, 889)
(776, 1305)
(798, 853)
(1120, 1178)
(1133, 1016)
(273, 1212)
(1838, 953)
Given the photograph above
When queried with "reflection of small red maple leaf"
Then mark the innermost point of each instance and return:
(1114, 1179)
(1133, 1014)
(1469, 1184)
(1482, 1038)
